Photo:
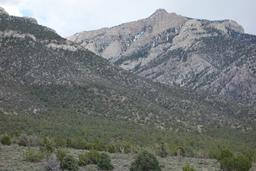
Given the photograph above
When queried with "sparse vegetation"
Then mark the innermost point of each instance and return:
(145, 161)
(91, 157)
(52, 164)
(33, 155)
(61, 154)
(188, 167)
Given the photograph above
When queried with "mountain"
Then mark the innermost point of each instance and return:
(45, 74)
(213, 56)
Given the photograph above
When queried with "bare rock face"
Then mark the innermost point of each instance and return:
(216, 56)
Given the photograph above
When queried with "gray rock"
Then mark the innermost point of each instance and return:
(215, 56)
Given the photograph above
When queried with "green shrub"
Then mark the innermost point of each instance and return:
(226, 159)
(6, 140)
(33, 155)
(91, 157)
(104, 162)
(48, 145)
(99, 146)
(69, 163)
(111, 148)
(61, 154)
(242, 163)
(229, 162)
(188, 167)
(145, 162)
(225, 153)
(77, 143)
(250, 154)
(84, 159)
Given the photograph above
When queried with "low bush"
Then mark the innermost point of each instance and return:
(69, 163)
(188, 167)
(61, 154)
(33, 155)
(104, 162)
(84, 159)
(242, 163)
(145, 162)
(48, 145)
(98, 146)
(6, 140)
(78, 143)
(91, 157)
(111, 148)
(229, 161)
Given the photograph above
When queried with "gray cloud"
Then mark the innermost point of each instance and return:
(70, 16)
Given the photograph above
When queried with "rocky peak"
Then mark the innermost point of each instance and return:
(2, 11)
(173, 49)
(159, 12)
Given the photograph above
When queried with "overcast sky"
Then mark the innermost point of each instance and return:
(70, 16)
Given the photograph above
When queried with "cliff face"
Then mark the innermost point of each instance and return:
(216, 56)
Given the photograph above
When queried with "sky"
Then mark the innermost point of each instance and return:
(68, 17)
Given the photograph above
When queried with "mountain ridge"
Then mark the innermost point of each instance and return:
(43, 73)
(176, 50)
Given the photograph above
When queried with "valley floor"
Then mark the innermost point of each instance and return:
(11, 159)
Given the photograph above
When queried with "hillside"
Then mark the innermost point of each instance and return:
(214, 56)
(42, 72)
(56, 94)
